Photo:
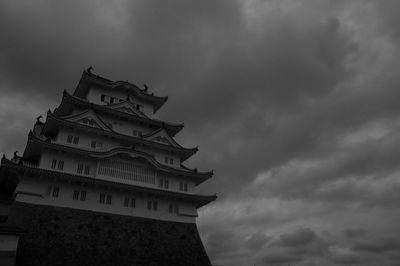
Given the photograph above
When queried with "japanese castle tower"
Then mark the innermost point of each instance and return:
(101, 152)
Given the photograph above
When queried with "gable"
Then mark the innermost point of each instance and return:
(88, 118)
(161, 136)
(126, 107)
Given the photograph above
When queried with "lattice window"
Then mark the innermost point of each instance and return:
(127, 171)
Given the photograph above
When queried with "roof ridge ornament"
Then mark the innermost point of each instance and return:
(38, 119)
(89, 70)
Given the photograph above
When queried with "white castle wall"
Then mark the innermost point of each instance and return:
(40, 191)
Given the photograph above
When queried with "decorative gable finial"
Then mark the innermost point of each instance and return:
(145, 88)
(38, 119)
(89, 70)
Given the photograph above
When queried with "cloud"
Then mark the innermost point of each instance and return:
(257, 241)
(377, 245)
(301, 237)
(354, 233)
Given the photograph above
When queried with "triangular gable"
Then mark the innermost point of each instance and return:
(88, 118)
(126, 107)
(161, 136)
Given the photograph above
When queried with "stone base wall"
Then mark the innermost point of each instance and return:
(63, 236)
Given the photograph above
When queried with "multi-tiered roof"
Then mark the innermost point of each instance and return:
(78, 113)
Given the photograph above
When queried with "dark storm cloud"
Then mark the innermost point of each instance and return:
(257, 241)
(294, 104)
(378, 245)
(301, 237)
(355, 233)
(295, 247)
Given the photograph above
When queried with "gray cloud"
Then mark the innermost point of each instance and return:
(354, 233)
(377, 245)
(257, 241)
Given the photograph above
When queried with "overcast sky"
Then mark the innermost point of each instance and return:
(295, 105)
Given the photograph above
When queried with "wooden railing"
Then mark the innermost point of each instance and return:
(30, 164)
(127, 171)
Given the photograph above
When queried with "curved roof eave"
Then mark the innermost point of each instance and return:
(173, 128)
(185, 153)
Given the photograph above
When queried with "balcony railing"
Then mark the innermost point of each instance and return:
(127, 171)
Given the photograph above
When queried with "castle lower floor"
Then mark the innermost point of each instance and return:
(66, 236)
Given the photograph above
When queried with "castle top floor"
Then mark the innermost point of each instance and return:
(102, 91)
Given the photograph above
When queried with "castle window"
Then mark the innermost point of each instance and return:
(133, 203)
(83, 195)
(108, 199)
(102, 198)
(102, 97)
(87, 169)
(168, 160)
(69, 139)
(79, 169)
(60, 165)
(183, 187)
(130, 202)
(53, 164)
(56, 191)
(173, 208)
(76, 140)
(137, 133)
(76, 195)
(93, 144)
(163, 182)
(152, 205)
(99, 144)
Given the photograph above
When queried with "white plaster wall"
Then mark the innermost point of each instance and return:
(8, 242)
(85, 140)
(160, 157)
(70, 162)
(65, 199)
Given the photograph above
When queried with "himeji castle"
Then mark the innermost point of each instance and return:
(102, 152)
